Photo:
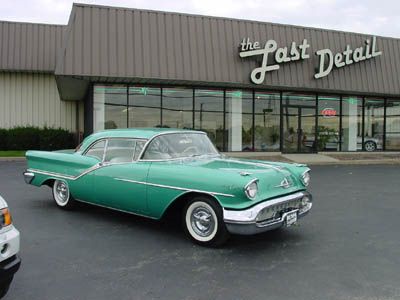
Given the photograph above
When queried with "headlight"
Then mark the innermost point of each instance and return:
(5, 218)
(305, 178)
(251, 189)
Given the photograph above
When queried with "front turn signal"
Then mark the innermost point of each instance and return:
(5, 218)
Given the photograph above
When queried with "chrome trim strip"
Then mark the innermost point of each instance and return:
(116, 209)
(87, 171)
(277, 168)
(248, 216)
(63, 176)
(174, 187)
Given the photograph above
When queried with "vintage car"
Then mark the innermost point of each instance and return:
(153, 172)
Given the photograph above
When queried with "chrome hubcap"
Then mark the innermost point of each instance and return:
(369, 146)
(62, 192)
(202, 221)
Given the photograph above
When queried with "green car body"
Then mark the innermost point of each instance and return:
(149, 187)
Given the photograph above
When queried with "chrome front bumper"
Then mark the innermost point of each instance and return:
(245, 221)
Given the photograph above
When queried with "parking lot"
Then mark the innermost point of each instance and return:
(348, 247)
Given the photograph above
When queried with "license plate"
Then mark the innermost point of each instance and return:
(291, 218)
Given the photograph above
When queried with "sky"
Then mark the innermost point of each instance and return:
(364, 16)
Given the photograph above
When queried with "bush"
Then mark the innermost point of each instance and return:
(35, 138)
(3, 139)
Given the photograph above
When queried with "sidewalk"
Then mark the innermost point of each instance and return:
(325, 158)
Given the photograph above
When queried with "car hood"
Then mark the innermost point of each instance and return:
(233, 174)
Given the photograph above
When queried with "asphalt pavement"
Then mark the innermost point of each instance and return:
(347, 248)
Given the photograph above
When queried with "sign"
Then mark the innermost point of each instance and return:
(273, 56)
(328, 112)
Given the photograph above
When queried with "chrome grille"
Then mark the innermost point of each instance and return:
(275, 211)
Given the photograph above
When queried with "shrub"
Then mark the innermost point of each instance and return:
(35, 138)
(3, 139)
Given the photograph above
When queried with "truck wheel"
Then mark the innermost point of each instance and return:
(62, 196)
(203, 222)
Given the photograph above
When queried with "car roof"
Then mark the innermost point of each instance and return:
(139, 133)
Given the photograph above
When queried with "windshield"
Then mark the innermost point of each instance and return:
(177, 145)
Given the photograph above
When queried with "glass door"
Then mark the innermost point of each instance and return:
(298, 129)
(299, 123)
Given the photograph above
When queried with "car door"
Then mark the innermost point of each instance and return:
(120, 182)
(84, 164)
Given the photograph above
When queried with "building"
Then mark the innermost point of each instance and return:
(252, 86)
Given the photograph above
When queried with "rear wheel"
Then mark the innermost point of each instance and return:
(203, 222)
(62, 195)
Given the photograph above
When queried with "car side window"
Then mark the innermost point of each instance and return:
(97, 150)
(120, 150)
(139, 148)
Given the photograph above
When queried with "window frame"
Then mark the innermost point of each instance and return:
(147, 145)
(106, 148)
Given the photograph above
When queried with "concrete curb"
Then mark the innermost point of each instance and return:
(358, 162)
(12, 158)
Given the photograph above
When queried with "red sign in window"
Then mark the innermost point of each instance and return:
(328, 112)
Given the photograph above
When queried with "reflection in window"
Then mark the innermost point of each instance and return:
(120, 150)
(209, 108)
(393, 125)
(351, 124)
(109, 107)
(328, 123)
(374, 115)
(177, 108)
(144, 106)
(266, 121)
(239, 120)
(177, 145)
(97, 150)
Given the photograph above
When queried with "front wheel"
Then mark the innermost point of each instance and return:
(203, 222)
(62, 195)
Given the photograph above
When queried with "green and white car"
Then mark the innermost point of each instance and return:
(152, 172)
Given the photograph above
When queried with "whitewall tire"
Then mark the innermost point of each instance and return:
(203, 222)
(62, 195)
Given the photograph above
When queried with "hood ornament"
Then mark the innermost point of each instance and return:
(285, 183)
(244, 173)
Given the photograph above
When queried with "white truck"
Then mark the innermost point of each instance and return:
(9, 248)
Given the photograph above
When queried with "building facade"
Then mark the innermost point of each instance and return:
(252, 86)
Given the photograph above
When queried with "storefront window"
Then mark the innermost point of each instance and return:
(209, 109)
(352, 124)
(374, 114)
(144, 106)
(177, 106)
(328, 123)
(266, 121)
(109, 107)
(239, 120)
(393, 125)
